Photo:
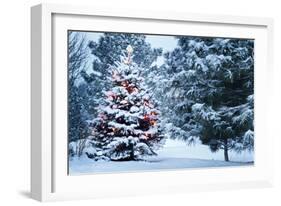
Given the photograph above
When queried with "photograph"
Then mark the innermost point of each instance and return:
(155, 102)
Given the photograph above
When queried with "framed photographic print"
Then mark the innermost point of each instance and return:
(135, 102)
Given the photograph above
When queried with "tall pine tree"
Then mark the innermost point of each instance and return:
(209, 86)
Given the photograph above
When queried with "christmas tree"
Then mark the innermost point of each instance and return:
(127, 127)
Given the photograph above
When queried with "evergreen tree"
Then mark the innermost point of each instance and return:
(106, 52)
(209, 86)
(127, 126)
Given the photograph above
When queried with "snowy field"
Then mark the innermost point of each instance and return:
(174, 155)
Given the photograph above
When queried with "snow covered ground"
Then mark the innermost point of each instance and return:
(174, 155)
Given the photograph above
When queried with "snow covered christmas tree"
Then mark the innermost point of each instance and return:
(127, 127)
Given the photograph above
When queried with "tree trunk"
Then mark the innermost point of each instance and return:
(132, 155)
(225, 148)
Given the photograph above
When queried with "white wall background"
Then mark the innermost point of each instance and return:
(15, 95)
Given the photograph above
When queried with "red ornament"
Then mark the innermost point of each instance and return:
(146, 117)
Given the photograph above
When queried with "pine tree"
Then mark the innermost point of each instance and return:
(209, 86)
(106, 51)
(127, 126)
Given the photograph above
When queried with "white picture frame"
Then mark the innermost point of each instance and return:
(49, 179)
